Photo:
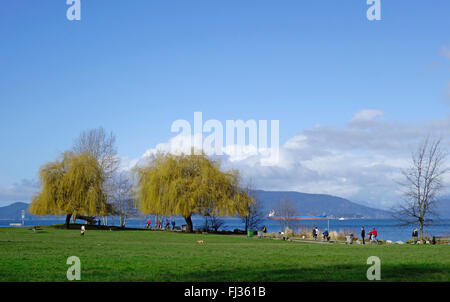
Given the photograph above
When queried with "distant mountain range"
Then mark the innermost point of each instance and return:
(332, 206)
(320, 204)
(305, 204)
(14, 212)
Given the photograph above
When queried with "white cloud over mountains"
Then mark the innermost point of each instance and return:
(20, 191)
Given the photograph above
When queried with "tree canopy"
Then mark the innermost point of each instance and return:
(189, 184)
(72, 185)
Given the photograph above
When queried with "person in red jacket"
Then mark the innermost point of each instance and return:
(373, 235)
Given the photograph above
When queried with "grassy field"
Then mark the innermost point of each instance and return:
(165, 256)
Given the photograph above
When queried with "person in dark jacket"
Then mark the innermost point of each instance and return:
(415, 236)
(326, 235)
(363, 235)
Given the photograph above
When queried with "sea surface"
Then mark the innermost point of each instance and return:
(388, 229)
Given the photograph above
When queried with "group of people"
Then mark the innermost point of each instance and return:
(325, 234)
(372, 236)
(159, 224)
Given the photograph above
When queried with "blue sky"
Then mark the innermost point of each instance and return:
(134, 67)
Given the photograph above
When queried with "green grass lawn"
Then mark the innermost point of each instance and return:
(165, 256)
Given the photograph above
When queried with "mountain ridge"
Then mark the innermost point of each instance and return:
(320, 204)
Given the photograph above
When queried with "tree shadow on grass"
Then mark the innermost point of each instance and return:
(334, 273)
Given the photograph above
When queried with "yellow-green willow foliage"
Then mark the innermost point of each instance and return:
(71, 186)
(189, 184)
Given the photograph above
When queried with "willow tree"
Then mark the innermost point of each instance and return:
(70, 186)
(188, 184)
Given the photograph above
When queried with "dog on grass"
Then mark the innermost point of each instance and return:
(200, 242)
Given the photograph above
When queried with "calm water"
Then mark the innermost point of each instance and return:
(388, 229)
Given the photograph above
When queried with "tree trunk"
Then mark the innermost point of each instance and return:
(189, 227)
(421, 230)
(68, 220)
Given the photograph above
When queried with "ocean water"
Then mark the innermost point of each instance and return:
(388, 229)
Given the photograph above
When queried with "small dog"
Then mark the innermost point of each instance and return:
(200, 242)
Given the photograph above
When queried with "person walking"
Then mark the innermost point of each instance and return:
(173, 224)
(83, 230)
(363, 235)
(316, 233)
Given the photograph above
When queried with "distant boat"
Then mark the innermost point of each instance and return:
(342, 218)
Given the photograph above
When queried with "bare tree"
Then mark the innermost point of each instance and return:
(216, 222)
(422, 185)
(285, 209)
(122, 198)
(212, 221)
(255, 211)
(101, 145)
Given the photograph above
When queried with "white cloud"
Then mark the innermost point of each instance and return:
(233, 153)
(367, 115)
(365, 118)
(21, 191)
